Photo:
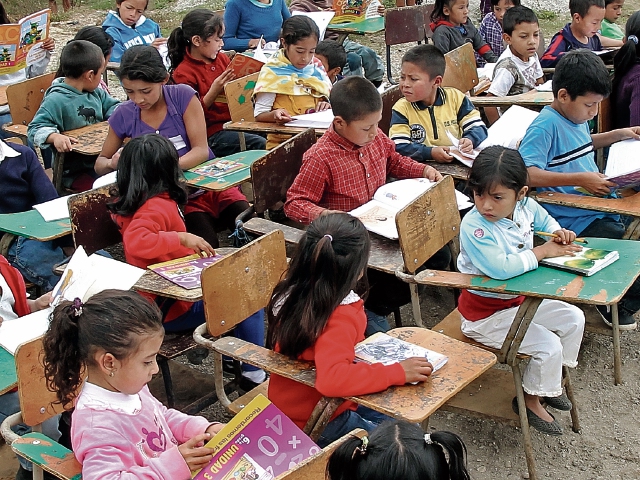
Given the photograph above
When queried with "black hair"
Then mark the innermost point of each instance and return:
(609, 2)
(4, 18)
(581, 7)
(515, 3)
(581, 72)
(400, 451)
(334, 52)
(119, 2)
(148, 166)
(80, 56)
(352, 98)
(97, 36)
(517, 15)
(142, 62)
(427, 58)
(629, 53)
(199, 22)
(438, 9)
(326, 266)
(298, 27)
(112, 320)
(497, 165)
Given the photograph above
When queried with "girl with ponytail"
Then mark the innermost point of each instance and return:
(316, 315)
(626, 80)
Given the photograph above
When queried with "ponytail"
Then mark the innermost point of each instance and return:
(628, 54)
(199, 22)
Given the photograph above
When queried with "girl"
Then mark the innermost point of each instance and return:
(400, 451)
(119, 430)
(292, 82)
(174, 112)
(153, 230)
(196, 60)
(452, 28)
(626, 78)
(250, 22)
(315, 315)
(128, 27)
(496, 239)
(99, 37)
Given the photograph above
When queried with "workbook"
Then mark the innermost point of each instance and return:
(379, 215)
(385, 349)
(509, 129)
(186, 271)
(586, 262)
(259, 443)
(623, 165)
(218, 168)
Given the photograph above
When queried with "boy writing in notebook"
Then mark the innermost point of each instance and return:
(420, 121)
(558, 152)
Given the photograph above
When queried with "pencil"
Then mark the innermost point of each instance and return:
(553, 235)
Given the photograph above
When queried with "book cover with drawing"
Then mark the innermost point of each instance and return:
(243, 65)
(379, 215)
(185, 271)
(218, 168)
(260, 439)
(622, 164)
(21, 43)
(586, 262)
(350, 10)
(385, 349)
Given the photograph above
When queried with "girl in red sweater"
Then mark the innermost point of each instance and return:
(315, 315)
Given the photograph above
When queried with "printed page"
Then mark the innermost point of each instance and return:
(624, 157)
(322, 19)
(55, 209)
(378, 218)
(510, 128)
(385, 349)
(372, 10)
(401, 193)
(312, 120)
(21, 43)
(545, 87)
(487, 70)
(23, 329)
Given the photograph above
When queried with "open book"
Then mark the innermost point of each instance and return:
(354, 10)
(321, 19)
(312, 120)
(623, 167)
(379, 215)
(586, 262)
(466, 158)
(385, 349)
(184, 272)
(21, 43)
(218, 168)
(509, 129)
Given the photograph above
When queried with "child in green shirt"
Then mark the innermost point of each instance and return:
(610, 33)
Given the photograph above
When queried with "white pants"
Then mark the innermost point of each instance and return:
(552, 340)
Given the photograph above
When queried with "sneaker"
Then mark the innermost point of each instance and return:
(625, 317)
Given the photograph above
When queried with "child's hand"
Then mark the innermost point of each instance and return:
(596, 183)
(62, 143)
(49, 44)
(322, 106)
(41, 303)
(281, 116)
(215, 428)
(113, 164)
(253, 43)
(441, 154)
(224, 78)
(565, 236)
(431, 173)
(552, 249)
(158, 42)
(626, 133)
(196, 243)
(465, 145)
(381, 9)
(1, 320)
(416, 369)
(195, 453)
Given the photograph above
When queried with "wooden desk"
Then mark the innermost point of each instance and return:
(366, 27)
(30, 224)
(267, 127)
(8, 377)
(623, 206)
(532, 98)
(90, 138)
(455, 169)
(248, 157)
(3, 95)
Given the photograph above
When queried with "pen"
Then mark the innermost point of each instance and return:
(553, 235)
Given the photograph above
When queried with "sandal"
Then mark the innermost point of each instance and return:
(559, 403)
(550, 428)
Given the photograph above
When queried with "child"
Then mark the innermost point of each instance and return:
(315, 315)
(611, 35)
(452, 28)
(127, 26)
(118, 428)
(491, 27)
(518, 70)
(196, 60)
(496, 239)
(98, 36)
(420, 121)
(400, 451)
(558, 151)
(175, 112)
(586, 16)
(626, 78)
(72, 102)
(249, 22)
(292, 82)
(148, 215)
(333, 57)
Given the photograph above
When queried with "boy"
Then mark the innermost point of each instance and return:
(420, 120)
(558, 151)
(491, 27)
(333, 57)
(518, 69)
(610, 33)
(586, 16)
(72, 102)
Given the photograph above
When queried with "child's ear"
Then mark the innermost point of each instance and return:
(523, 192)
(196, 40)
(334, 71)
(106, 362)
(507, 38)
(339, 122)
(437, 81)
(563, 96)
(576, 17)
(446, 11)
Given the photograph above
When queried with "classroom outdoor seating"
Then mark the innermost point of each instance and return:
(461, 71)
(403, 25)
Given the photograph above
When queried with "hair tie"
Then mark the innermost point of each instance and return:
(427, 439)
(76, 307)
(362, 449)
(633, 38)
(329, 237)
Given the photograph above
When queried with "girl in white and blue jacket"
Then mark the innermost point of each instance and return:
(496, 239)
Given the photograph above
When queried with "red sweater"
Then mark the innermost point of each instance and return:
(151, 236)
(16, 283)
(336, 373)
(200, 76)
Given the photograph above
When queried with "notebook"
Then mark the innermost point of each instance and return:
(385, 349)
(586, 262)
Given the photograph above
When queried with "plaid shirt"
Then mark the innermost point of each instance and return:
(336, 174)
(491, 31)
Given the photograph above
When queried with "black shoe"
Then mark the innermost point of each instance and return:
(559, 403)
(625, 317)
(228, 368)
(197, 355)
(550, 428)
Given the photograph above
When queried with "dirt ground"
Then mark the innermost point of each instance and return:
(607, 447)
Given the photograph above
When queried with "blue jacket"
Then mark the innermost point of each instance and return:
(562, 42)
(144, 32)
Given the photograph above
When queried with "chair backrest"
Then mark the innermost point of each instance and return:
(389, 99)
(241, 283)
(25, 97)
(428, 223)
(427, 10)
(239, 93)
(91, 223)
(273, 174)
(541, 47)
(461, 71)
(403, 25)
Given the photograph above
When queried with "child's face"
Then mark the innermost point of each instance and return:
(524, 40)
(301, 53)
(580, 110)
(458, 12)
(333, 73)
(210, 47)
(130, 11)
(501, 8)
(613, 11)
(133, 372)
(362, 131)
(416, 85)
(588, 25)
(144, 94)
(498, 202)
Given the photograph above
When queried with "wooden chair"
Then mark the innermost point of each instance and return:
(461, 71)
(402, 25)
(239, 93)
(427, 10)
(389, 99)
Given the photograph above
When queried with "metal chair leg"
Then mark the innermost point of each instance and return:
(163, 363)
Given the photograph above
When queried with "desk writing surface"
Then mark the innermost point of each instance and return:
(532, 98)
(268, 127)
(623, 206)
(30, 224)
(8, 376)
(90, 138)
(370, 25)
(232, 179)
(456, 169)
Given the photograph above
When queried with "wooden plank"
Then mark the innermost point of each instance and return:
(91, 223)
(90, 138)
(248, 157)
(623, 206)
(461, 71)
(24, 98)
(49, 455)
(8, 377)
(239, 93)
(389, 99)
(532, 98)
(13, 129)
(403, 25)
(262, 226)
(267, 127)
(3, 95)
(30, 224)
(176, 344)
(455, 169)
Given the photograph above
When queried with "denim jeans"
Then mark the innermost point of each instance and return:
(227, 142)
(349, 420)
(375, 323)
(35, 261)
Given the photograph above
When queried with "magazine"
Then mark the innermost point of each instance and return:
(586, 262)
(623, 167)
(218, 168)
(21, 43)
(186, 271)
(385, 349)
(260, 439)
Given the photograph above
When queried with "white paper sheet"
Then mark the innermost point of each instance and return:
(312, 120)
(322, 19)
(55, 209)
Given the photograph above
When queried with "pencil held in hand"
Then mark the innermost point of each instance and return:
(553, 235)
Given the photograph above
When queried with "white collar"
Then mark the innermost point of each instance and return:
(140, 21)
(98, 398)
(352, 297)
(7, 151)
